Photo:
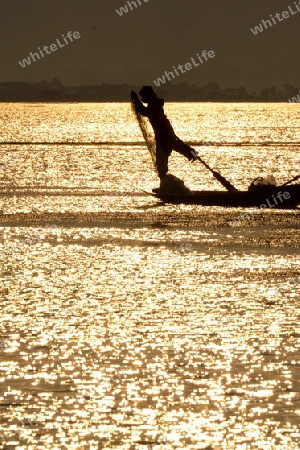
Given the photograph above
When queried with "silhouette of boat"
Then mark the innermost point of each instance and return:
(280, 197)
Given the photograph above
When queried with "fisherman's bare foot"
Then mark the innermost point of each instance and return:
(171, 185)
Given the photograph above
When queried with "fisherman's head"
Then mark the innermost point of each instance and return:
(147, 93)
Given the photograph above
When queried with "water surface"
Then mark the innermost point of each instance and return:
(128, 324)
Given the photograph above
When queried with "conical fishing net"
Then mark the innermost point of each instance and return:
(147, 133)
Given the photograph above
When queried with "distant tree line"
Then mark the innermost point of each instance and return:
(56, 91)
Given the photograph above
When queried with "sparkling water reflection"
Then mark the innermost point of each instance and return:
(128, 325)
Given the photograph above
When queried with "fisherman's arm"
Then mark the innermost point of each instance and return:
(138, 104)
(184, 149)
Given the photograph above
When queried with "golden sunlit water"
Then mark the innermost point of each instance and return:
(129, 324)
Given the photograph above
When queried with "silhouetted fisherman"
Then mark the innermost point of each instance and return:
(165, 137)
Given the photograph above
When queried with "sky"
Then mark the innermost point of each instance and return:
(139, 46)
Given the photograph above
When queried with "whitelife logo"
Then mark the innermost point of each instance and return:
(124, 9)
(258, 210)
(279, 16)
(187, 66)
(53, 48)
(295, 99)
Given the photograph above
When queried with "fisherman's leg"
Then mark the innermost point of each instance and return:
(161, 159)
(184, 149)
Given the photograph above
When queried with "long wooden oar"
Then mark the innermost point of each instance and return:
(290, 181)
(218, 176)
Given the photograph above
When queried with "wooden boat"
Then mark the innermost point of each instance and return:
(282, 197)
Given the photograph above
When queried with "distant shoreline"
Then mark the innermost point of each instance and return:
(56, 91)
